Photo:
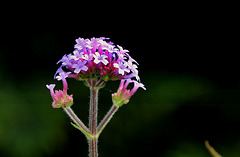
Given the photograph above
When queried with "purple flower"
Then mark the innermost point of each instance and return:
(65, 60)
(77, 55)
(123, 87)
(136, 86)
(86, 59)
(80, 66)
(100, 58)
(132, 66)
(134, 70)
(106, 46)
(93, 44)
(62, 75)
(81, 43)
(121, 50)
(122, 67)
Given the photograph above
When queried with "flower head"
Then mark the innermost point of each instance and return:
(123, 94)
(60, 97)
(98, 58)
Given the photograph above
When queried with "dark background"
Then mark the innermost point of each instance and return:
(188, 61)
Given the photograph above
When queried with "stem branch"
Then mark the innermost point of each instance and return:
(106, 119)
(76, 120)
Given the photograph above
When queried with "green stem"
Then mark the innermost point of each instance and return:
(80, 124)
(106, 119)
(93, 110)
(93, 148)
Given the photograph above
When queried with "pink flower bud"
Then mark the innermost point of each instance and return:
(123, 94)
(60, 98)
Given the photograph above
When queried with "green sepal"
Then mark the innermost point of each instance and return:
(118, 99)
(68, 104)
(99, 87)
(89, 136)
(86, 84)
(105, 78)
(118, 103)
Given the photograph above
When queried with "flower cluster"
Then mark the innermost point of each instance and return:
(60, 97)
(96, 61)
(96, 58)
(123, 94)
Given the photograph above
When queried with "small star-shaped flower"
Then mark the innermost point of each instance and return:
(100, 58)
(80, 66)
(122, 67)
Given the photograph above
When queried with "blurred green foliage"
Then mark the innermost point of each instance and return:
(28, 126)
(172, 118)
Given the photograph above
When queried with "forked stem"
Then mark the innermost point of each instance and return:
(94, 130)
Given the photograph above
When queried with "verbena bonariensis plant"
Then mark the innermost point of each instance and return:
(95, 61)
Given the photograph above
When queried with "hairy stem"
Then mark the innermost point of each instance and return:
(106, 119)
(93, 111)
(77, 121)
(93, 147)
(93, 152)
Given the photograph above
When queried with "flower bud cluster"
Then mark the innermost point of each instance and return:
(123, 94)
(60, 97)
